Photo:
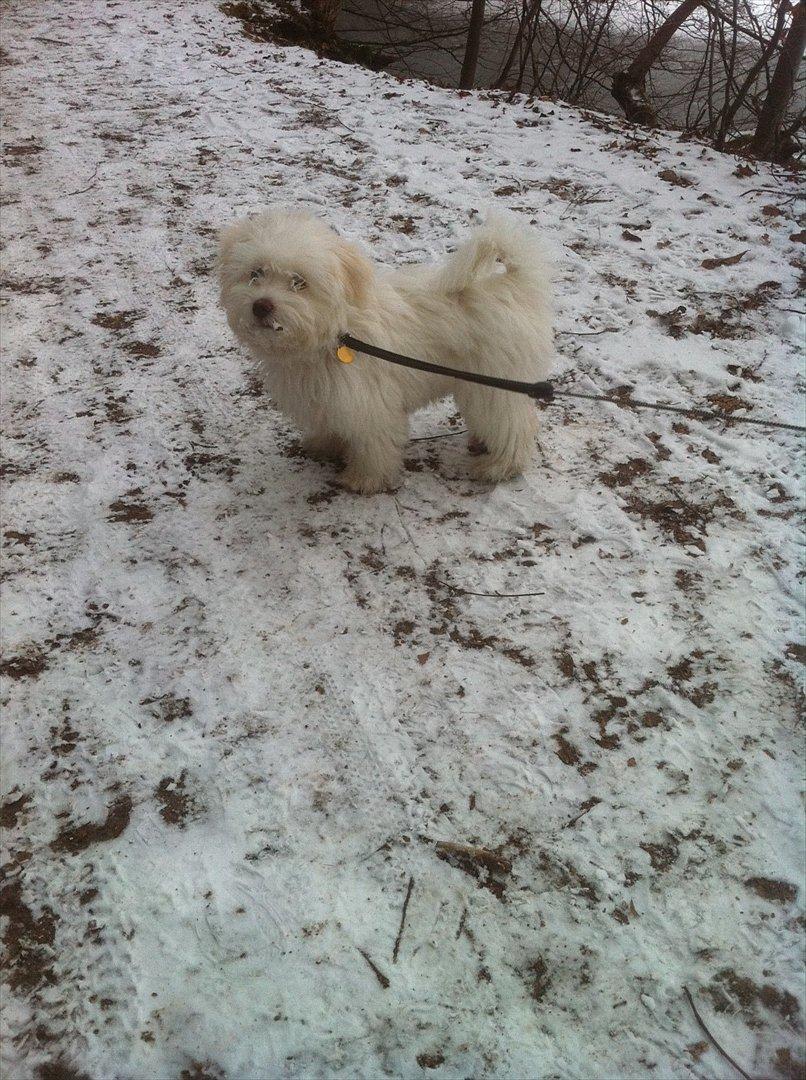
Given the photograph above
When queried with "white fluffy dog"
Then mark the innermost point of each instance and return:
(290, 287)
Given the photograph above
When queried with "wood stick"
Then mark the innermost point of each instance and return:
(379, 975)
(402, 920)
(711, 1039)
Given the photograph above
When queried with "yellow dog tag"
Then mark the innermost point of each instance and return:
(345, 355)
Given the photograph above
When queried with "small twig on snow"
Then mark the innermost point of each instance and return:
(591, 333)
(774, 191)
(461, 924)
(587, 806)
(407, 531)
(711, 1039)
(498, 595)
(379, 975)
(402, 920)
(444, 435)
(81, 191)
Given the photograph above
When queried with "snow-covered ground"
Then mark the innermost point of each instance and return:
(246, 712)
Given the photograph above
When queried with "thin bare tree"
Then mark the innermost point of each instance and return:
(524, 17)
(767, 141)
(740, 96)
(629, 86)
(324, 14)
(467, 77)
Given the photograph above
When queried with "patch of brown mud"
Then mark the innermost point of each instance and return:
(78, 838)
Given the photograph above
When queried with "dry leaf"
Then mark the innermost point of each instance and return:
(672, 177)
(730, 260)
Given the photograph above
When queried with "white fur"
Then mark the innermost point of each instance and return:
(487, 308)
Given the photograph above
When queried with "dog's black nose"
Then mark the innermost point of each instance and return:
(262, 309)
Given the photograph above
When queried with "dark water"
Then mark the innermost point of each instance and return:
(680, 60)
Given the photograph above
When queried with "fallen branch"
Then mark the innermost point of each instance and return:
(711, 1039)
(402, 920)
(499, 595)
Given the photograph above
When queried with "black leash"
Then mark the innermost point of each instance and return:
(547, 392)
(539, 391)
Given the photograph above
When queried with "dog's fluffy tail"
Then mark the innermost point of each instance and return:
(503, 247)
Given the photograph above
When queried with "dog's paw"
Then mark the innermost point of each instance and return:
(363, 483)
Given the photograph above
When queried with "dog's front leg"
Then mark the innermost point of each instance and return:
(374, 458)
(323, 446)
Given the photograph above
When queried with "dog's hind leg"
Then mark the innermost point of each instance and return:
(506, 425)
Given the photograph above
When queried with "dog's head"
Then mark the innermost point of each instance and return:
(289, 283)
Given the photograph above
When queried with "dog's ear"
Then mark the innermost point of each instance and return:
(356, 273)
(238, 234)
(227, 241)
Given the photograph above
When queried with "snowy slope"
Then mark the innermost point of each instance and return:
(244, 710)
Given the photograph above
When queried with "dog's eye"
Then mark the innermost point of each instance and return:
(256, 275)
(298, 283)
